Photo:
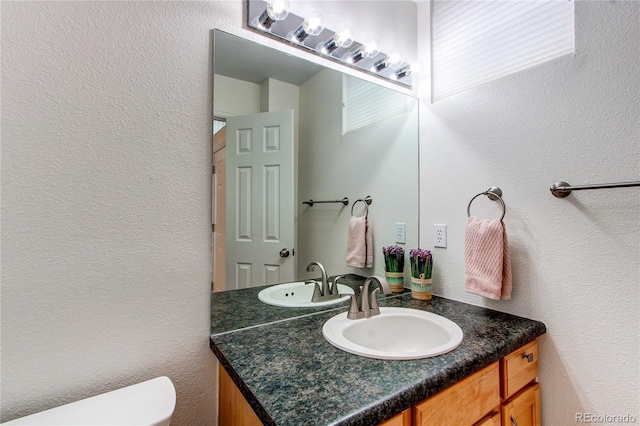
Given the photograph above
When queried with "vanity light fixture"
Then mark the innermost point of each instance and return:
(369, 49)
(343, 38)
(273, 19)
(276, 10)
(393, 60)
(406, 71)
(312, 25)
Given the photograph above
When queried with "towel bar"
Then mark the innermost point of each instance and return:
(344, 201)
(494, 193)
(563, 189)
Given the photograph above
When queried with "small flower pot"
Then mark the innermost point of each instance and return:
(421, 288)
(395, 281)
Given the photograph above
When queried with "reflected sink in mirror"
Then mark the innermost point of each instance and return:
(395, 334)
(298, 295)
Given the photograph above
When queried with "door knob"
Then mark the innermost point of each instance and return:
(284, 253)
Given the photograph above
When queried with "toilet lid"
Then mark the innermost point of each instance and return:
(147, 403)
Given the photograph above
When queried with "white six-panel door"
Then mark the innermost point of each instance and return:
(260, 197)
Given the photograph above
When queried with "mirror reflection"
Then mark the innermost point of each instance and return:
(288, 131)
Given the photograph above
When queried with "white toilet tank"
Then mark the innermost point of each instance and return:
(149, 403)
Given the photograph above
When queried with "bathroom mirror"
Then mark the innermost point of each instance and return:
(344, 138)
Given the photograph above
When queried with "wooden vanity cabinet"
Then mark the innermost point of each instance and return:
(519, 391)
(504, 393)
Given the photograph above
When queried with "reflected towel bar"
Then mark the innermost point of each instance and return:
(563, 189)
(310, 203)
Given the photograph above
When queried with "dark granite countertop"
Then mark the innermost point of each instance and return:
(236, 309)
(292, 376)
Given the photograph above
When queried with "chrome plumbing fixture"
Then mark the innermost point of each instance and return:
(367, 305)
(324, 293)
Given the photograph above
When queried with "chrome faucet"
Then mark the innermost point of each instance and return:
(367, 306)
(324, 293)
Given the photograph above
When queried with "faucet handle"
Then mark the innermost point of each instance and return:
(334, 285)
(354, 309)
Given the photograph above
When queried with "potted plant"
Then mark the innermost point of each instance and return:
(421, 269)
(394, 267)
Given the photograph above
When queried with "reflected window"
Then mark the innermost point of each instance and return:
(364, 103)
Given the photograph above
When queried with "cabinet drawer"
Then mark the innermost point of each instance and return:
(463, 403)
(518, 369)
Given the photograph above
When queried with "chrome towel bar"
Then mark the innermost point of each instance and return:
(310, 203)
(563, 189)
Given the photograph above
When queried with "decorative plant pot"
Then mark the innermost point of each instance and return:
(421, 288)
(395, 281)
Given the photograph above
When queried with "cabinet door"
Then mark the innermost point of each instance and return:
(523, 409)
(462, 404)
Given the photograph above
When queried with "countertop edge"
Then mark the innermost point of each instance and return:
(253, 401)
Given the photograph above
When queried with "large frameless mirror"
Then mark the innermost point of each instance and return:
(287, 131)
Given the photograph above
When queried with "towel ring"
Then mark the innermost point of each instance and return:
(367, 202)
(494, 193)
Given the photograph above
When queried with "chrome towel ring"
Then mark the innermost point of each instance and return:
(367, 202)
(494, 193)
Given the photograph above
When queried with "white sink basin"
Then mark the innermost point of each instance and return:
(397, 333)
(298, 295)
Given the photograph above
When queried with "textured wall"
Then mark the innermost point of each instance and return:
(576, 260)
(106, 205)
(106, 112)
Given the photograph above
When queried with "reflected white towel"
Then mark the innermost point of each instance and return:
(359, 243)
(486, 256)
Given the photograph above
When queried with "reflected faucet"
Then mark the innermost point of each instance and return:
(324, 293)
(367, 306)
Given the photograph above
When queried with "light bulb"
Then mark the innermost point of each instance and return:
(371, 47)
(368, 50)
(394, 59)
(312, 25)
(343, 38)
(276, 11)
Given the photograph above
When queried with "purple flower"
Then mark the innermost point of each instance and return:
(393, 250)
(421, 253)
(393, 258)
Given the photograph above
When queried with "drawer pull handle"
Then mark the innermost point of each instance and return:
(529, 357)
(513, 421)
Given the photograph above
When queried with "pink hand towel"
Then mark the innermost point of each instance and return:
(486, 255)
(359, 243)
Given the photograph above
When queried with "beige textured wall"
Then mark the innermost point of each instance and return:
(106, 205)
(576, 261)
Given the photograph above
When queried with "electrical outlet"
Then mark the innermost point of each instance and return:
(440, 235)
(401, 233)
